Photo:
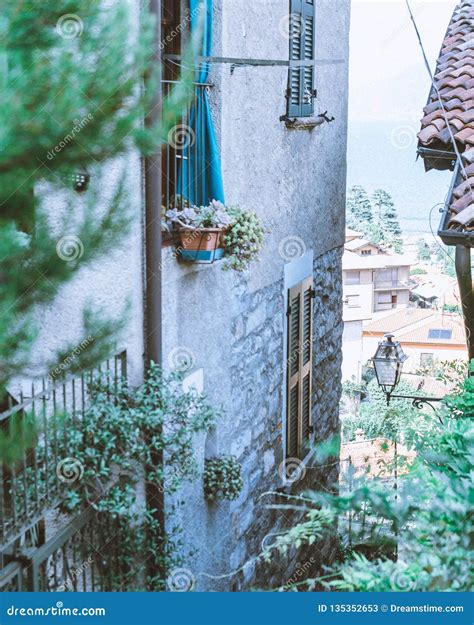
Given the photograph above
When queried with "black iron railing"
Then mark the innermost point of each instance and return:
(37, 552)
(184, 156)
(31, 480)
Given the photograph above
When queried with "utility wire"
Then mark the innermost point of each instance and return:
(435, 87)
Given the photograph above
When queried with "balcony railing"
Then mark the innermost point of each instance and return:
(184, 157)
(390, 284)
(30, 481)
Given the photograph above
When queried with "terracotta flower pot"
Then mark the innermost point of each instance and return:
(201, 244)
(201, 238)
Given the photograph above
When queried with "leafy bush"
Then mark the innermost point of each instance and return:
(117, 443)
(429, 515)
(377, 419)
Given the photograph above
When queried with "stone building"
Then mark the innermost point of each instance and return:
(288, 165)
(265, 344)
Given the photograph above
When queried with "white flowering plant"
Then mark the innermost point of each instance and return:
(214, 215)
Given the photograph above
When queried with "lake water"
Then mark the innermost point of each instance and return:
(383, 155)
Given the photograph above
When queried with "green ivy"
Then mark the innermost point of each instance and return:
(119, 434)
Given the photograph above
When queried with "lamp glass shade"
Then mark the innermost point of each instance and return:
(388, 363)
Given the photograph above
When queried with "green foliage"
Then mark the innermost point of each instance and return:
(445, 257)
(386, 215)
(418, 271)
(377, 419)
(376, 217)
(243, 239)
(452, 308)
(423, 250)
(462, 404)
(222, 478)
(359, 208)
(70, 101)
(121, 432)
(429, 515)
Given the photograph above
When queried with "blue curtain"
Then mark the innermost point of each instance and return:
(200, 178)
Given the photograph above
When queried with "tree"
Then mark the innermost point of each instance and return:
(423, 250)
(387, 220)
(70, 101)
(359, 208)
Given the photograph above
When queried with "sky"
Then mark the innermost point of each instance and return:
(388, 88)
(388, 79)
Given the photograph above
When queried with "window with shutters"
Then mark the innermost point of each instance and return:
(301, 79)
(299, 369)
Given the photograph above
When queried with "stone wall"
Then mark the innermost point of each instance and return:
(257, 369)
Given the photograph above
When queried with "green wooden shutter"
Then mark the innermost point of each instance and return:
(301, 79)
(299, 368)
(307, 73)
(294, 75)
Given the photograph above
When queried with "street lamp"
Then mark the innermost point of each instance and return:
(388, 364)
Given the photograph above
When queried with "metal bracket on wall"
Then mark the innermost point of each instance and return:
(326, 117)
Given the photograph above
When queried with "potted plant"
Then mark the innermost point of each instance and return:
(201, 229)
(208, 233)
(222, 478)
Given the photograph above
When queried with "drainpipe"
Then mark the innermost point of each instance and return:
(464, 274)
(153, 316)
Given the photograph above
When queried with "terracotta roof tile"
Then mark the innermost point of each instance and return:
(454, 78)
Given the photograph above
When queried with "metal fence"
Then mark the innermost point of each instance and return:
(186, 144)
(32, 483)
(362, 531)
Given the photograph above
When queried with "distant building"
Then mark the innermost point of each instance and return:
(426, 336)
(425, 295)
(372, 281)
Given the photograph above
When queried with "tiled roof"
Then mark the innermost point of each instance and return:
(422, 334)
(352, 261)
(355, 244)
(454, 78)
(390, 321)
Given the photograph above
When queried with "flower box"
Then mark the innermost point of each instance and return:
(202, 245)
